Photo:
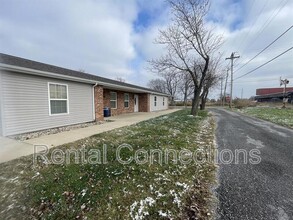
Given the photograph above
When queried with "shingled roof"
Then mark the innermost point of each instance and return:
(30, 64)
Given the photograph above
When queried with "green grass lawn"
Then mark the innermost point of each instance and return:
(150, 190)
(276, 115)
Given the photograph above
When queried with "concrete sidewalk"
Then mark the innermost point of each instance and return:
(11, 149)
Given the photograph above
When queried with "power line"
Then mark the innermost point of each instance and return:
(265, 48)
(267, 22)
(275, 13)
(259, 14)
(264, 63)
(250, 10)
(258, 81)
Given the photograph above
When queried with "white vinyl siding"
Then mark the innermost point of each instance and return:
(26, 105)
(158, 103)
(113, 100)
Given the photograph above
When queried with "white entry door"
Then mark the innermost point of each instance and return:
(135, 103)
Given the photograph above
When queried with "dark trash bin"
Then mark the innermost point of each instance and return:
(107, 112)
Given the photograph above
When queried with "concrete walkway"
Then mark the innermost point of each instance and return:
(11, 149)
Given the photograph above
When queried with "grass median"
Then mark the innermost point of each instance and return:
(141, 184)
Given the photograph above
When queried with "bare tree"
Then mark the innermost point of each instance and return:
(212, 79)
(169, 84)
(120, 79)
(172, 80)
(189, 43)
(158, 85)
(186, 86)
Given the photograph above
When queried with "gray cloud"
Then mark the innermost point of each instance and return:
(100, 36)
(253, 34)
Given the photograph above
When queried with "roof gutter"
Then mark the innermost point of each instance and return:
(94, 109)
(126, 88)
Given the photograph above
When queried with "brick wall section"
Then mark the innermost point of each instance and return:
(99, 104)
(120, 102)
(144, 102)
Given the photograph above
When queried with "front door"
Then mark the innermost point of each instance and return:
(135, 103)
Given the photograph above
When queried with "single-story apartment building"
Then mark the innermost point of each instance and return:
(36, 96)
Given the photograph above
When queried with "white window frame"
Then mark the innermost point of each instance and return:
(155, 101)
(126, 100)
(116, 101)
(49, 98)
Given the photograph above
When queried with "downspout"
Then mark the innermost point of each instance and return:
(94, 107)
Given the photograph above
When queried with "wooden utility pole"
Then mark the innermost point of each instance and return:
(221, 97)
(284, 82)
(225, 89)
(232, 57)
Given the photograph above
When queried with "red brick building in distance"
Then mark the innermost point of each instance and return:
(274, 94)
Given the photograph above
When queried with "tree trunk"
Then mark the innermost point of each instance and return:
(172, 101)
(185, 98)
(204, 100)
(202, 104)
(195, 102)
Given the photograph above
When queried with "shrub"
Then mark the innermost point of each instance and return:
(243, 103)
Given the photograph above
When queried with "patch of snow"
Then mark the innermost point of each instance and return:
(163, 214)
(13, 179)
(138, 210)
(37, 174)
(257, 143)
(176, 198)
(183, 185)
(83, 192)
(151, 188)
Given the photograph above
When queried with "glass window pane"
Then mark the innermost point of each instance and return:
(113, 96)
(126, 97)
(113, 104)
(58, 91)
(126, 104)
(63, 92)
(63, 107)
(58, 106)
(52, 91)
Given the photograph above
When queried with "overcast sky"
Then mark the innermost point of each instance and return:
(114, 38)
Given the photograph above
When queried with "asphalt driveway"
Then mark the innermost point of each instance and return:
(254, 191)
